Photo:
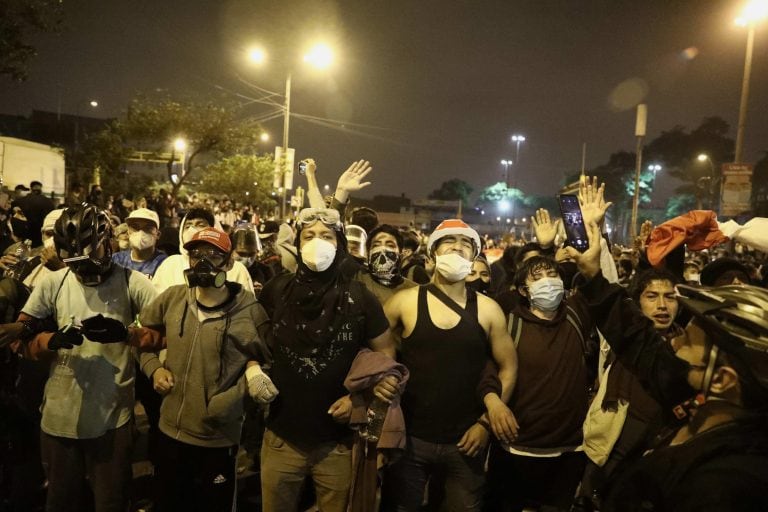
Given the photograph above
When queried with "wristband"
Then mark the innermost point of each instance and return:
(484, 424)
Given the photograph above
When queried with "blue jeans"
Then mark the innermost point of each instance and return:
(406, 479)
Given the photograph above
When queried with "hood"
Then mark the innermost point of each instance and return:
(182, 250)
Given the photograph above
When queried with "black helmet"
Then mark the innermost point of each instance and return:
(736, 320)
(82, 237)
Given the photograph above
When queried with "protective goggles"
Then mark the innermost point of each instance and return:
(217, 258)
(328, 216)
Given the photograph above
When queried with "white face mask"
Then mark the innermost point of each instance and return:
(453, 267)
(546, 293)
(48, 243)
(141, 240)
(318, 254)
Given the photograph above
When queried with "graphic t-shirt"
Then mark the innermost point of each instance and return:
(310, 383)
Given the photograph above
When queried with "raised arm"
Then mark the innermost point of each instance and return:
(351, 180)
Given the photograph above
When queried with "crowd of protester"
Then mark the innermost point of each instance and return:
(361, 366)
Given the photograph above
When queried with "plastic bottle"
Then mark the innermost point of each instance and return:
(377, 413)
(21, 253)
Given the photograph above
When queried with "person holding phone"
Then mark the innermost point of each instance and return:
(543, 466)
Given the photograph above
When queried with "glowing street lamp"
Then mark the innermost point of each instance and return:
(754, 12)
(506, 163)
(321, 57)
(264, 137)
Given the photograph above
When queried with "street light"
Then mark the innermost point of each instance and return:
(264, 137)
(518, 139)
(506, 163)
(703, 157)
(754, 11)
(321, 57)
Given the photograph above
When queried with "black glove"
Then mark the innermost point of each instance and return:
(68, 339)
(104, 330)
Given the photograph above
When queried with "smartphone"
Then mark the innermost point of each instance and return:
(303, 167)
(573, 222)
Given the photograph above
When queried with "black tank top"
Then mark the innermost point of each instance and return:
(441, 401)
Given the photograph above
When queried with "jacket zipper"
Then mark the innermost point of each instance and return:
(184, 387)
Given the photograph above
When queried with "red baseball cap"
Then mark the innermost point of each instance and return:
(211, 236)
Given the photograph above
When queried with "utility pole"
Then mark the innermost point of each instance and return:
(640, 124)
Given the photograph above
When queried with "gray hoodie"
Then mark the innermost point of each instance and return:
(207, 354)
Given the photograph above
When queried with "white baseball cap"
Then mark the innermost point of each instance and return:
(144, 213)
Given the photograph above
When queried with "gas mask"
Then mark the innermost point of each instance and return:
(452, 266)
(318, 254)
(204, 275)
(546, 294)
(384, 264)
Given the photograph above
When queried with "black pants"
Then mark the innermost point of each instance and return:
(193, 478)
(104, 461)
(515, 481)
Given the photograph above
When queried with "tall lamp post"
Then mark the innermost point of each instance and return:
(703, 157)
(754, 11)
(320, 56)
(506, 163)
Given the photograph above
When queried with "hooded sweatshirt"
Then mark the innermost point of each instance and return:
(171, 271)
(207, 354)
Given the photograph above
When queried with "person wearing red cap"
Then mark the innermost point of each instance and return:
(447, 332)
(214, 330)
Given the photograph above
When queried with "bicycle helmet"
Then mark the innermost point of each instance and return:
(82, 238)
(736, 320)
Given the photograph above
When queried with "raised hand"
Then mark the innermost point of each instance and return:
(592, 201)
(351, 179)
(588, 261)
(642, 239)
(544, 229)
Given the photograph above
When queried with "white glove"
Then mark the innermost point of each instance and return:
(260, 386)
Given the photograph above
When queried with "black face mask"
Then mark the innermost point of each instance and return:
(205, 275)
(20, 228)
(479, 286)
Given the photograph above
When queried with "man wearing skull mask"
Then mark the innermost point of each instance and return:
(382, 277)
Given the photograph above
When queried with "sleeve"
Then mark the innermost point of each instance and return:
(40, 303)
(636, 343)
(163, 275)
(142, 291)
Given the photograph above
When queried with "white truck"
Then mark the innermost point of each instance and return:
(23, 161)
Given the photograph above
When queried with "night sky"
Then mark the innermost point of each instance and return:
(426, 90)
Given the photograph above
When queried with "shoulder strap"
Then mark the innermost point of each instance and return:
(575, 321)
(515, 327)
(464, 314)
